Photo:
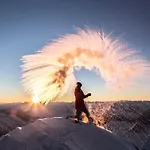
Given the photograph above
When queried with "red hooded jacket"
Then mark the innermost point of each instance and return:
(79, 98)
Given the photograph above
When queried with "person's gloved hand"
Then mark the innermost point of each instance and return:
(89, 94)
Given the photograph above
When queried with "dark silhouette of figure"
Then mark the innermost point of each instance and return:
(79, 102)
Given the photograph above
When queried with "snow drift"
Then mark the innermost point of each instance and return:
(127, 120)
(8, 123)
(61, 134)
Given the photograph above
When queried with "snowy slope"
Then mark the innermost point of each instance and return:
(147, 145)
(8, 123)
(128, 120)
(61, 134)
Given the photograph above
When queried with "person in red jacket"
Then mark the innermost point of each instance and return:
(79, 102)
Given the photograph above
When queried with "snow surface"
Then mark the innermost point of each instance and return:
(147, 145)
(8, 123)
(128, 120)
(61, 134)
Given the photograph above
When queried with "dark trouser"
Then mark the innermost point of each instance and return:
(79, 112)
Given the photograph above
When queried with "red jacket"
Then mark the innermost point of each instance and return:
(79, 98)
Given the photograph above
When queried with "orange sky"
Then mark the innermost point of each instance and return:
(105, 96)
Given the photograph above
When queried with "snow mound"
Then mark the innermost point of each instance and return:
(61, 134)
(147, 144)
(8, 123)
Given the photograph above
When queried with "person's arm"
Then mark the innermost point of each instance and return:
(85, 96)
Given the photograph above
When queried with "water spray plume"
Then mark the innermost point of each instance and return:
(50, 72)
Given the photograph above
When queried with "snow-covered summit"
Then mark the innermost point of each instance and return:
(61, 134)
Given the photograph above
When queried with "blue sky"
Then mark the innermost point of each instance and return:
(26, 26)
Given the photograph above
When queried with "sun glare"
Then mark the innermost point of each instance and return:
(35, 99)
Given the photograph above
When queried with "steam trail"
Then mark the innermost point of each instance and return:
(50, 72)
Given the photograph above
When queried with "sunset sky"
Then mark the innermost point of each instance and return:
(27, 25)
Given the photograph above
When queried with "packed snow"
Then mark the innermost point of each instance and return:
(8, 123)
(61, 134)
(127, 120)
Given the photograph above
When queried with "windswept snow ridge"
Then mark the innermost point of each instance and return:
(61, 134)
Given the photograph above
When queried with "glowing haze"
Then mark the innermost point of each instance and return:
(49, 74)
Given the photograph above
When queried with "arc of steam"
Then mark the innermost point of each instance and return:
(50, 72)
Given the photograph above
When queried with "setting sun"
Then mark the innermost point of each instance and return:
(35, 99)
